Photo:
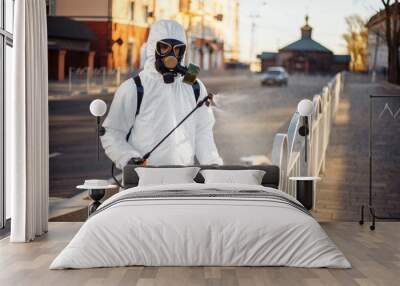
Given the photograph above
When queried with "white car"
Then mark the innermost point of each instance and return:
(275, 76)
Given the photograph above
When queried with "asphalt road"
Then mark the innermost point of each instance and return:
(247, 118)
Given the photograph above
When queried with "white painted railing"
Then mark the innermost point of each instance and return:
(288, 151)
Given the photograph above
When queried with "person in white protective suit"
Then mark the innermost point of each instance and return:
(145, 108)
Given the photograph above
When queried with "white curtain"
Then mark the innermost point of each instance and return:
(27, 124)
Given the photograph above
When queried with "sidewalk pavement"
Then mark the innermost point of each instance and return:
(345, 183)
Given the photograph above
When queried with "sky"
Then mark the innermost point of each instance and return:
(278, 22)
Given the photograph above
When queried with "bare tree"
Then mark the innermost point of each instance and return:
(392, 27)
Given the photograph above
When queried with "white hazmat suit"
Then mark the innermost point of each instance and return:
(162, 107)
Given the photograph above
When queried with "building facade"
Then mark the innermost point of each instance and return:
(120, 29)
(231, 10)
(68, 46)
(377, 45)
(205, 24)
(305, 56)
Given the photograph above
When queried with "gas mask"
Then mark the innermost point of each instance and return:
(169, 55)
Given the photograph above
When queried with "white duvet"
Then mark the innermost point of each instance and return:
(190, 231)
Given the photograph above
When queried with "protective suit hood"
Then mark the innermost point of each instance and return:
(162, 29)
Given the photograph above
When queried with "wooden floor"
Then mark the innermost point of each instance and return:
(375, 257)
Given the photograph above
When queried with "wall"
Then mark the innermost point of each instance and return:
(134, 32)
(122, 12)
(231, 30)
(265, 64)
(315, 62)
(96, 15)
(206, 26)
(377, 46)
(109, 23)
(53, 64)
(82, 8)
(102, 31)
(377, 26)
(169, 9)
(128, 54)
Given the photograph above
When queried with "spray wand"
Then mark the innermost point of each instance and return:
(142, 161)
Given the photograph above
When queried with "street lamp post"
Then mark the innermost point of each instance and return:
(253, 17)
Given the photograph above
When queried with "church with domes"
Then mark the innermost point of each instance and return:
(305, 56)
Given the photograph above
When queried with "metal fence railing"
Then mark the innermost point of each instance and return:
(85, 80)
(288, 149)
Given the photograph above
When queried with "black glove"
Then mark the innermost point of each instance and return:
(136, 161)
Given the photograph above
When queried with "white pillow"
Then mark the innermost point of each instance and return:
(165, 176)
(248, 177)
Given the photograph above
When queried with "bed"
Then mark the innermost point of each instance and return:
(199, 224)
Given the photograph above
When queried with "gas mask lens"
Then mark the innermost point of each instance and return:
(163, 48)
(176, 49)
(179, 50)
